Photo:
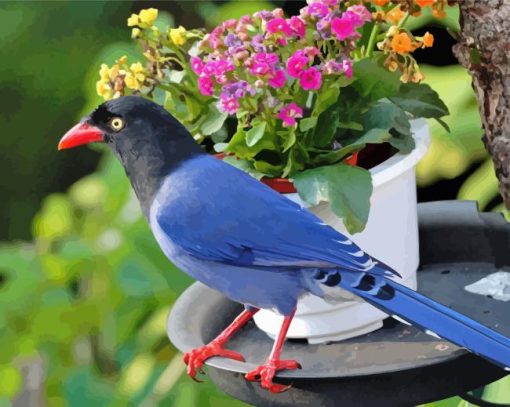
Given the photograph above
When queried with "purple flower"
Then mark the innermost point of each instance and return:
(232, 41)
(289, 113)
(264, 15)
(237, 89)
(277, 79)
(257, 42)
(311, 79)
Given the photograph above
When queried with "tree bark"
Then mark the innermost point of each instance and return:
(484, 49)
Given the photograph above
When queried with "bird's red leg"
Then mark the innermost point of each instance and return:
(266, 372)
(196, 357)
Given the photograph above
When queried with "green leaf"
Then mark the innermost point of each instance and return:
(307, 123)
(372, 136)
(327, 96)
(346, 188)
(244, 165)
(374, 81)
(213, 121)
(326, 126)
(421, 101)
(386, 116)
(254, 135)
(238, 144)
(289, 138)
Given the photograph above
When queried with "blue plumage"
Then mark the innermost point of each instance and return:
(240, 237)
(236, 235)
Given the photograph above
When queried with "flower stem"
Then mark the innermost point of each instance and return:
(372, 40)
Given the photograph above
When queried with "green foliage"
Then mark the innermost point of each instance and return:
(347, 188)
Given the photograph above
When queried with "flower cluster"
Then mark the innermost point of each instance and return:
(414, 7)
(257, 63)
(114, 81)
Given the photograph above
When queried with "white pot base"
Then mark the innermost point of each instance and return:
(391, 236)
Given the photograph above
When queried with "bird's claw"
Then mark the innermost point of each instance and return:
(266, 372)
(196, 357)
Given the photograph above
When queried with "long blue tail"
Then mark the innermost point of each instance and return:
(428, 315)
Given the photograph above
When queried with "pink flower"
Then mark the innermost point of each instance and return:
(228, 24)
(281, 41)
(311, 79)
(209, 68)
(318, 9)
(223, 66)
(279, 25)
(197, 65)
(206, 86)
(297, 25)
(260, 69)
(278, 79)
(269, 58)
(229, 104)
(343, 27)
(289, 113)
(311, 52)
(362, 12)
(296, 64)
(347, 67)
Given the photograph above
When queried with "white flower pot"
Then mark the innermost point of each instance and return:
(391, 235)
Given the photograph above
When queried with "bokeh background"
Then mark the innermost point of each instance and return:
(84, 290)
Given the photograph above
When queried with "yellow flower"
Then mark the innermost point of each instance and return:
(133, 20)
(178, 35)
(103, 89)
(104, 73)
(135, 77)
(148, 16)
(135, 32)
(131, 82)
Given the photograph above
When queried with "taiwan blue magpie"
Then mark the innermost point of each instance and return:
(238, 236)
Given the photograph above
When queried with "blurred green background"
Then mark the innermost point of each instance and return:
(84, 290)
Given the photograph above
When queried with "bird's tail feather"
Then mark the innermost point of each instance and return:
(428, 315)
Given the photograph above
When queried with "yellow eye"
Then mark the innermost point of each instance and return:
(116, 124)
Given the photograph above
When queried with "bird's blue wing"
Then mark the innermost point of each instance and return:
(216, 212)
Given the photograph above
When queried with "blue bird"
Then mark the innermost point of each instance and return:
(238, 236)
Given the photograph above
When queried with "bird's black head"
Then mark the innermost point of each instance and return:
(148, 141)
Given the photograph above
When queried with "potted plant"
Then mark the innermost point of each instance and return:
(324, 107)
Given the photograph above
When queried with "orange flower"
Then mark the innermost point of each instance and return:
(401, 43)
(395, 15)
(424, 3)
(428, 40)
(380, 2)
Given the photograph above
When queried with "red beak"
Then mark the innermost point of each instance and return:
(82, 133)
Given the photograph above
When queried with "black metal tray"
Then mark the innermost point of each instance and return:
(395, 366)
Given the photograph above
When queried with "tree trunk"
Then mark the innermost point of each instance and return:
(484, 49)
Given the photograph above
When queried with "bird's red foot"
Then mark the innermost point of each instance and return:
(196, 357)
(266, 372)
